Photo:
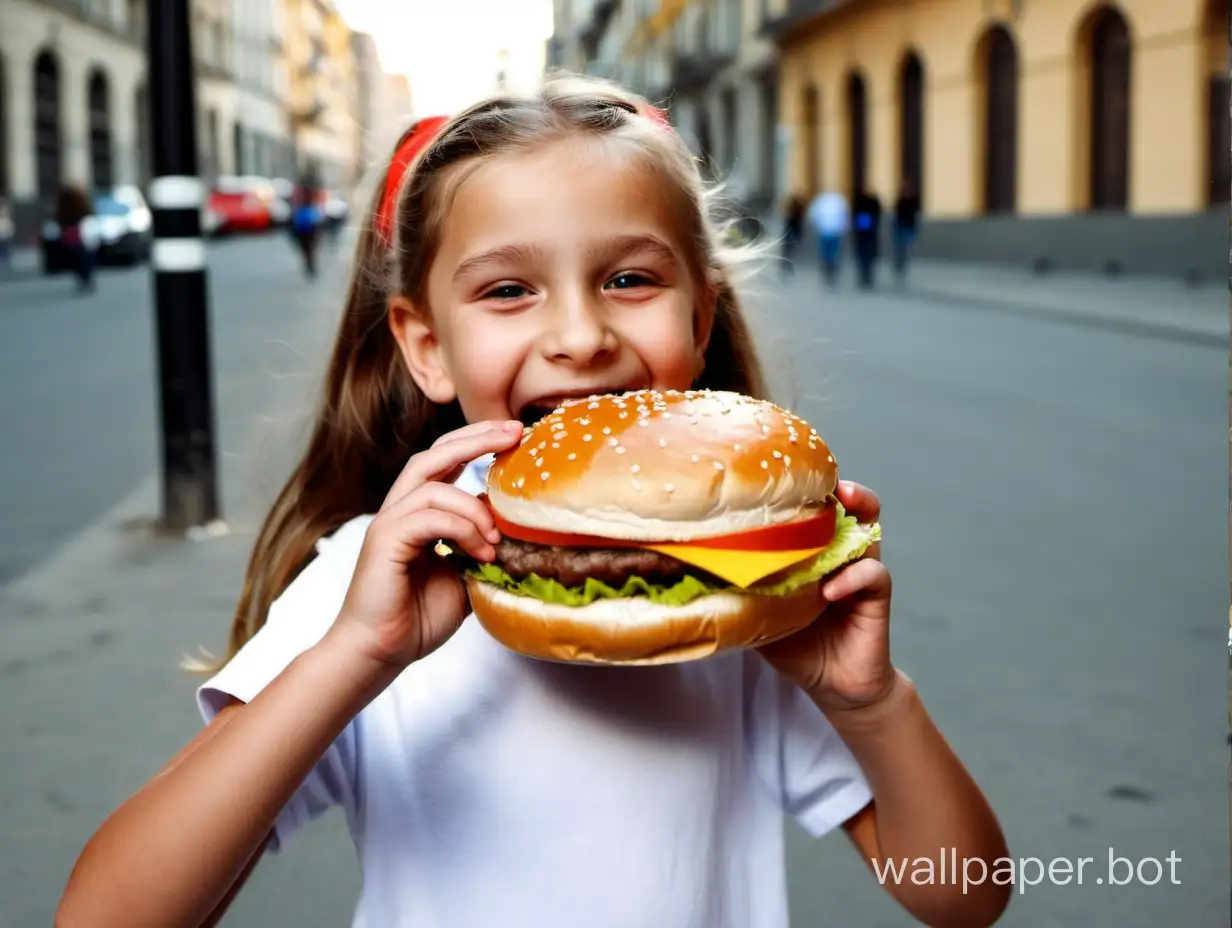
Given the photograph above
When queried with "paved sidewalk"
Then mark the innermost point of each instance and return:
(1151, 306)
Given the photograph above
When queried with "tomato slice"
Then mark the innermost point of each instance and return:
(815, 531)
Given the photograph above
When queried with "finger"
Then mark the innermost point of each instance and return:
(474, 428)
(421, 528)
(440, 460)
(859, 500)
(866, 577)
(448, 498)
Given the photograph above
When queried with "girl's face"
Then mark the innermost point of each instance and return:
(560, 273)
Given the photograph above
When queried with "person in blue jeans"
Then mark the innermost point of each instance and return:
(906, 227)
(829, 222)
(866, 228)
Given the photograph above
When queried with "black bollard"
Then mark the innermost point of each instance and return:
(190, 494)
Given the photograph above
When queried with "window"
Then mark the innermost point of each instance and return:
(101, 174)
(1110, 100)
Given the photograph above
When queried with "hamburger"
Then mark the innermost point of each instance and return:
(661, 526)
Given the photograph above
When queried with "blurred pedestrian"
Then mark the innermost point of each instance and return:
(906, 228)
(829, 220)
(866, 227)
(6, 233)
(793, 231)
(307, 217)
(532, 265)
(78, 233)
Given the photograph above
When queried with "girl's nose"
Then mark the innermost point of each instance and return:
(578, 334)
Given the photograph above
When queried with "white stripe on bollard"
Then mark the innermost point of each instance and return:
(178, 254)
(176, 192)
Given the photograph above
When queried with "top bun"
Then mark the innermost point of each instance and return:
(663, 466)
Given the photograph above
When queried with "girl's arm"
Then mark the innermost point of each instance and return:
(925, 804)
(172, 853)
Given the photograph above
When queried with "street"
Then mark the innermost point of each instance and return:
(1054, 513)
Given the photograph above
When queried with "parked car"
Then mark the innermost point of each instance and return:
(244, 204)
(122, 228)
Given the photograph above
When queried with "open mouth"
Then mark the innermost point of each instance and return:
(539, 409)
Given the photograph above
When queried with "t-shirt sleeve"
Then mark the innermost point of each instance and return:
(799, 756)
(297, 620)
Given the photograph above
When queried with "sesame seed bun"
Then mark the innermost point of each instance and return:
(637, 631)
(663, 466)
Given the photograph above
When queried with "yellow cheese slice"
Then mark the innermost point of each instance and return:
(743, 568)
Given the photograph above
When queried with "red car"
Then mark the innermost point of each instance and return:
(242, 204)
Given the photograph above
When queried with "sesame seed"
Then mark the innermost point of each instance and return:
(718, 465)
(613, 442)
(636, 468)
(606, 430)
(738, 446)
(662, 443)
(787, 460)
(765, 430)
(621, 449)
(520, 482)
(562, 434)
(593, 406)
(544, 475)
(830, 458)
(765, 465)
(587, 437)
(556, 444)
(778, 454)
(669, 487)
(534, 452)
(642, 423)
(538, 462)
(636, 485)
(542, 445)
(667, 415)
(572, 456)
(583, 422)
(623, 415)
(694, 459)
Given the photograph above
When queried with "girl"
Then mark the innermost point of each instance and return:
(537, 248)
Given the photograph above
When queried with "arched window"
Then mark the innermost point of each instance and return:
(1000, 61)
(1110, 57)
(1218, 124)
(101, 173)
(811, 127)
(857, 134)
(47, 126)
(911, 123)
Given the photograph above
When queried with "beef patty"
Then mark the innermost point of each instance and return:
(571, 566)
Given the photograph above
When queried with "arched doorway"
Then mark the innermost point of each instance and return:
(1000, 155)
(1109, 54)
(911, 124)
(47, 127)
(1218, 123)
(857, 134)
(811, 127)
(5, 134)
(101, 172)
(145, 166)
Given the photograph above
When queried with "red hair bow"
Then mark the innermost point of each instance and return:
(413, 142)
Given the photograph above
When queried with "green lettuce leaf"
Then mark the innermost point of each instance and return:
(851, 539)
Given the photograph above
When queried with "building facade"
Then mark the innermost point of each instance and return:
(260, 142)
(1075, 133)
(319, 64)
(69, 78)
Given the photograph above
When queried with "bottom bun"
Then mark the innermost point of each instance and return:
(638, 631)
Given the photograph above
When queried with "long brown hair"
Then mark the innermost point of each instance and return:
(372, 416)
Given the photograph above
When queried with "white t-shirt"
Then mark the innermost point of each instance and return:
(828, 214)
(486, 788)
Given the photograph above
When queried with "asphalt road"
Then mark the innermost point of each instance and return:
(1054, 514)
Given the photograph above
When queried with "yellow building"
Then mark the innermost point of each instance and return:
(1057, 114)
(321, 75)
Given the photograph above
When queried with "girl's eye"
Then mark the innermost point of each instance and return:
(629, 280)
(506, 292)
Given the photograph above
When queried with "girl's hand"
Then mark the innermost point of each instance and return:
(843, 658)
(404, 601)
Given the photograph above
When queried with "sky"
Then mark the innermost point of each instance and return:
(450, 49)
